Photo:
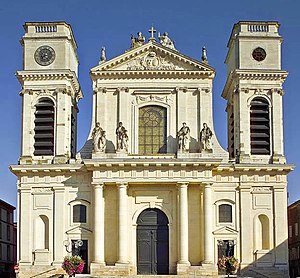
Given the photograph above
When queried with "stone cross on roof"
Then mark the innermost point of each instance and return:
(152, 31)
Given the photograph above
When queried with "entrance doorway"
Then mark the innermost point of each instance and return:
(225, 248)
(82, 251)
(152, 242)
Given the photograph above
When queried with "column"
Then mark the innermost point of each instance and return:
(98, 223)
(208, 221)
(122, 216)
(183, 224)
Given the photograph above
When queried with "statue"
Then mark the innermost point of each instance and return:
(166, 41)
(204, 55)
(138, 41)
(99, 138)
(122, 138)
(205, 138)
(184, 138)
(103, 56)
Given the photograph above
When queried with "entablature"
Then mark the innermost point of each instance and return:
(46, 75)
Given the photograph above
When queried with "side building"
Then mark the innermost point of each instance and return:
(294, 239)
(152, 191)
(8, 240)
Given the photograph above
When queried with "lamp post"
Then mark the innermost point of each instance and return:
(77, 244)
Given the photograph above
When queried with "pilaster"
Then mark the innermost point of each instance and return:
(59, 226)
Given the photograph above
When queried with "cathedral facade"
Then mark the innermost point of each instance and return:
(152, 191)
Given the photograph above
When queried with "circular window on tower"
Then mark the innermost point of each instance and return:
(259, 54)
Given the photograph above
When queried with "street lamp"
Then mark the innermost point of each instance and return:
(77, 244)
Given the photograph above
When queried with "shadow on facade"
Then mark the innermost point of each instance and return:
(266, 263)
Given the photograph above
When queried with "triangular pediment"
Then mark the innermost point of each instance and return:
(226, 230)
(78, 229)
(152, 57)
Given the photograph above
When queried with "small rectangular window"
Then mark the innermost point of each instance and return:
(290, 231)
(8, 232)
(0, 251)
(8, 217)
(296, 229)
(79, 214)
(8, 253)
(225, 213)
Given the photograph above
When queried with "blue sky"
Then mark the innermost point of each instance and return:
(191, 24)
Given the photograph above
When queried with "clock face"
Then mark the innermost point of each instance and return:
(44, 55)
(259, 54)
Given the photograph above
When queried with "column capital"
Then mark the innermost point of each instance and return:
(182, 184)
(208, 184)
(122, 184)
(97, 184)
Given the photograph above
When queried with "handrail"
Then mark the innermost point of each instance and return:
(41, 273)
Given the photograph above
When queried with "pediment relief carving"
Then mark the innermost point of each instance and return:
(153, 61)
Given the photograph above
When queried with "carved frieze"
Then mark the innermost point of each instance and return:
(37, 190)
(261, 189)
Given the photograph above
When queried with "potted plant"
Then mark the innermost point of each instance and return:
(73, 265)
(229, 264)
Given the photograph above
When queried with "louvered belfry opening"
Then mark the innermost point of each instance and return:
(260, 126)
(44, 128)
(231, 147)
(73, 133)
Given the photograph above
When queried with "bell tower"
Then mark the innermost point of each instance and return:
(254, 93)
(50, 93)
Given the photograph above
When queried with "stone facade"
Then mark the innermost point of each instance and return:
(8, 240)
(294, 239)
(137, 194)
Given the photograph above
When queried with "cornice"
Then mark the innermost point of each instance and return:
(153, 73)
(278, 168)
(46, 75)
(46, 168)
(92, 164)
(262, 75)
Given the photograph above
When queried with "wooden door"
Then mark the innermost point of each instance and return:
(152, 242)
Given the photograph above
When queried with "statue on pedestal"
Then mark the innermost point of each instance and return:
(99, 138)
(205, 138)
(184, 138)
(122, 138)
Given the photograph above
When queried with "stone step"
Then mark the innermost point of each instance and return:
(161, 276)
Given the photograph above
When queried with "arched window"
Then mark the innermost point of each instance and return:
(42, 232)
(152, 130)
(260, 126)
(44, 127)
(79, 214)
(225, 213)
